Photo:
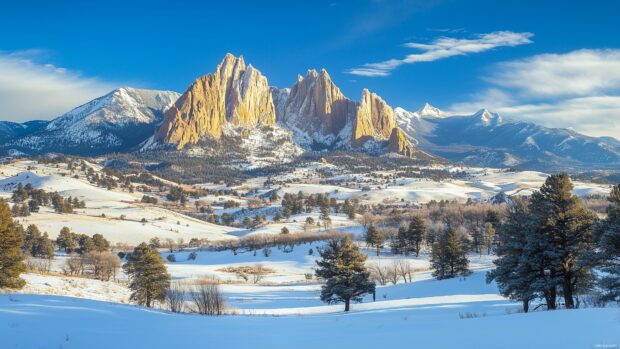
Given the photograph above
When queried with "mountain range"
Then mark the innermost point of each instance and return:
(312, 115)
(487, 139)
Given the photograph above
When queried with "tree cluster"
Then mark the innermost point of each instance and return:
(546, 247)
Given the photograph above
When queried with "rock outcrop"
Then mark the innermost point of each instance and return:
(235, 94)
(399, 144)
(374, 120)
(314, 109)
(316, 106)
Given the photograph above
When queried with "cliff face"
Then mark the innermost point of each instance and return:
(315, 105)
(234, 94)
(374, 120)
(399, 144)
(315, 109)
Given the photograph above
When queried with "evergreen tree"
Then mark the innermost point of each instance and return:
(513, 273)
(43, 247)
(609, 244)
(374, 238)
(66, 240)
(11, 256)
(349, 209)
(31, 235)
(342, 267)
(411, 238)
(148, 276)
(100, 243)
(86, 243)
(563, 233)
(489, 236)
(37, 244)
(324, 216)
(449, 256)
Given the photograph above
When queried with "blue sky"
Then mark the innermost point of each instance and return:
(555, 62)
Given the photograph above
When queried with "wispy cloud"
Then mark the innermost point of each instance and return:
(576, 73)
(578, 89)
(445, 47)
(32, 89)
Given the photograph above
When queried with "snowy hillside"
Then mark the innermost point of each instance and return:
(77, 323)
(117, 121)
(114, 214)
(9, 130)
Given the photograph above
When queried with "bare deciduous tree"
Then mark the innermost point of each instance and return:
(74, 265)
(175, 298)
(379, 273)
(102, 265)
(403, 269)
(208, 299)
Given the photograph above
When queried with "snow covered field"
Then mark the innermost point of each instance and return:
(112, 204)
(283, 310)
(36, 321)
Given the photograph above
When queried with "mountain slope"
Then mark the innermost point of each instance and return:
(10, 130)
(487, 139)
(117, 121)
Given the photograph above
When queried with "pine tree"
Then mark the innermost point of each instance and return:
(449, 256)
(31, 238)
(43, 248)
(564, 236)
(414, 236)
(342, 267)
(324, 216)
(349, 209)
(609, 244)
(374, 238)
(66, 240)
(513, 273)
(100, 243)
(489, 236)
(86, 243)
(11, 256)
(149, 278)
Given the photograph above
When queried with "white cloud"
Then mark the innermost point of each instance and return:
(578, 73)
(445, 47)
(578, 90)
(31, 90)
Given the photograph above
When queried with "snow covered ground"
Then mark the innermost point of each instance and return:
(284, 309)
(35, 321)
(481, 184)
(112, 204)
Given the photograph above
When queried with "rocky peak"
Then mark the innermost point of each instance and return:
(233, 94)
(374, 119)
(316, 105)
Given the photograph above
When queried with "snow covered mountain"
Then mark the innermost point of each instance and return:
(487, 139)
(118, 121)
(10, 130)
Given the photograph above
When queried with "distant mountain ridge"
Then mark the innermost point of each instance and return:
(487, 139)
(118, 121)
(10, 130)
